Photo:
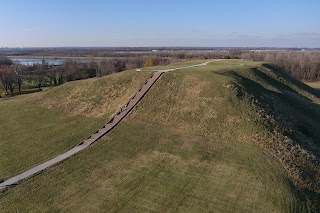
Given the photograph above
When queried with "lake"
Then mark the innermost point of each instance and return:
(51, 61)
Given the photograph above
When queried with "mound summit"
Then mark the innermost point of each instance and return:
(232, 136)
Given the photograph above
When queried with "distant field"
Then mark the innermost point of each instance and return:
(194, 144)
(39, 126)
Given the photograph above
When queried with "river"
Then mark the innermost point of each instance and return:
(51, 61)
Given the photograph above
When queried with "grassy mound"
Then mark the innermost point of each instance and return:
(39, 126)
(180, 64)
(233, 136)
(96, 97)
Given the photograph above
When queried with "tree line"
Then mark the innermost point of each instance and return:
(302, 65)
(16, 76)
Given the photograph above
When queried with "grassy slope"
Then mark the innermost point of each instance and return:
(40, 126)
(98, 97)
(175, 65)
(189, 146)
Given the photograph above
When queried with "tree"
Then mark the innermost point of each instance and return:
(39, 78)
(90, 69)
(18, 71)
(119, 65)
(5, 61)
(39, 74)
(105, 67)
(8, 77)
(149, 62)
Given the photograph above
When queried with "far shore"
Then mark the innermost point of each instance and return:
(59, 57)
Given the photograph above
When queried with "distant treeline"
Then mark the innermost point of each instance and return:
(16, 76)
(304, 65)
(125, 51)
(121, 53)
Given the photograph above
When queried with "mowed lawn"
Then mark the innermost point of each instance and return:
(175, 65)
(189, 146)
(30, 134)
(37, 127)
(139, 168)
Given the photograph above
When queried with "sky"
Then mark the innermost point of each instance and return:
(160, 23)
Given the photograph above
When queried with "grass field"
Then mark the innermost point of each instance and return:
(39, 126)
(198, 142)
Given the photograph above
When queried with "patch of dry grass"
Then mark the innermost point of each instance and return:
(98, 97)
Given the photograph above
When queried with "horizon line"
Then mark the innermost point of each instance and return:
(158, 47)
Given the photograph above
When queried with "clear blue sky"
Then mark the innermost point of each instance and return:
(238, 23)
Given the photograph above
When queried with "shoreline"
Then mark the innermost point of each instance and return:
(59, 57)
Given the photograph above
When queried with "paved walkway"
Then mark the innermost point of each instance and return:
(120, 114)
(180, 68)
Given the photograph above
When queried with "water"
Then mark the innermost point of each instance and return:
(32, 61)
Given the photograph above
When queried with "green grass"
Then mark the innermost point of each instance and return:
(198, 142)
(40, 126)
(28, 87)
(30, 134)
(130, 173)
(24, 91)
(175, 65)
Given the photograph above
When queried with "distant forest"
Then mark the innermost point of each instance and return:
(303, 64)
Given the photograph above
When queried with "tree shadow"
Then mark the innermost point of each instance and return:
(295, 117)
(302, 86)
(290, 107)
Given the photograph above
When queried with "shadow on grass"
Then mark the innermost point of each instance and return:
(297, 116)
(287, 105)
(17, 93)
(278, 71)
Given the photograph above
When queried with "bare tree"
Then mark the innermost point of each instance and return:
(8, 77)
(149, 62)
(19, 77)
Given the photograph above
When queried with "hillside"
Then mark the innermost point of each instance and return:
(39, 126)
(233, 136)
